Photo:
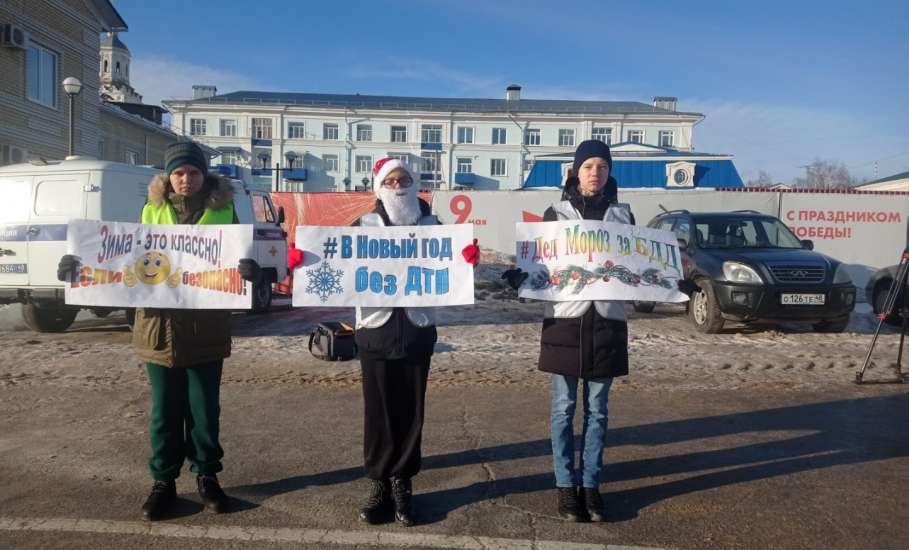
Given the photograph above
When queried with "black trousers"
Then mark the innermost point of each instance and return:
(394, 395)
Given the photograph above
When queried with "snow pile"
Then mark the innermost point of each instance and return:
(488, 282)
(11, 317)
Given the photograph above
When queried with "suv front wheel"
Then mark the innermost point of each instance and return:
(703, 309)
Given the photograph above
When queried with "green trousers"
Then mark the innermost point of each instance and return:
(185, 419)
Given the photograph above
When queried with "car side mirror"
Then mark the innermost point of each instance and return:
(808, 244)
(280, 215)
(683, 244)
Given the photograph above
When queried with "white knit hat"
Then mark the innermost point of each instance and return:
(385, 166)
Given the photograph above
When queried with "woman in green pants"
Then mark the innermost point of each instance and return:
(184, 349)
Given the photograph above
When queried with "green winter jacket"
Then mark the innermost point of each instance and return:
(184, 337)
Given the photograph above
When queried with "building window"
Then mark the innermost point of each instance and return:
(118, 67)
(528, 165)
(330, 131)
(601, 133)
(364, 132)
(465, 165)
(330, 162)
(132, 157)
(499, 136)
(296, 130)
(41, 75)
(431, 161)
(101, 149)
(399, 134)
(432, 133)
(264, 159)
(532, 136)
(566, 137)
(229, 128)
(465, 134)
(666, 138)
(230, 157)
(497, 167)
(364, 164)
(636, 136)
(261, 128)
(197, 126)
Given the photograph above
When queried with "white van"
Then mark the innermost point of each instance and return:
(37, 200)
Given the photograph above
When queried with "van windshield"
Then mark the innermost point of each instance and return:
(14, 206)
(744, 233)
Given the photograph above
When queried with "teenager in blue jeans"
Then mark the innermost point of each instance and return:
(582, 342)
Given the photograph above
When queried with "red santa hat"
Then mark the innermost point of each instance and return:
(385, 166)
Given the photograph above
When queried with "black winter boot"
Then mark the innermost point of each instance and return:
(163, 494)
(211, 494)
(401, 492)
(377, 507)
(594, 504)
(569, 507)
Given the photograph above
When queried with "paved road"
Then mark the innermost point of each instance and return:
(698, 469)
(740, 440)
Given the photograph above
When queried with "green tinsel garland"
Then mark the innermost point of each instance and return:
(581, 277)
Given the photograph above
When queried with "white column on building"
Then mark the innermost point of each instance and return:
(451, 150)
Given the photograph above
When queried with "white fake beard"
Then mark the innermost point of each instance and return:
(401, 205)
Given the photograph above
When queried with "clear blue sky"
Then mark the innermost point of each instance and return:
(781, 83)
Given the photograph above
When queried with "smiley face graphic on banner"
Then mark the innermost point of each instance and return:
(152, 268)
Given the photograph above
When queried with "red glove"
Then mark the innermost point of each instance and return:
(294, 257)
(471, 253)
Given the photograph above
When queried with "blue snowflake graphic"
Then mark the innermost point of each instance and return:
(324, 281)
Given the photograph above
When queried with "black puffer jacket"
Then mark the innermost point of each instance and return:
(589, 346)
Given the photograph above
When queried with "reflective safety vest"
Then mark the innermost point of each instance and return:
(164, 214)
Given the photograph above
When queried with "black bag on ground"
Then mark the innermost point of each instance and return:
(333, 341)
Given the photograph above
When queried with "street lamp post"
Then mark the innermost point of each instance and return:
(72, 86)
(290, 157)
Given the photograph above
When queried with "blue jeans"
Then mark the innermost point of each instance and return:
(564, 398)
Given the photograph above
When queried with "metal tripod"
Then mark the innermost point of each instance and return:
(899, 287)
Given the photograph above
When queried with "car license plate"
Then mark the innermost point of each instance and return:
(802, 299)
(13, 268)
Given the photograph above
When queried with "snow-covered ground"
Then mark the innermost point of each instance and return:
(494, 342)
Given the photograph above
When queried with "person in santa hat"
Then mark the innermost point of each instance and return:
(395, 346)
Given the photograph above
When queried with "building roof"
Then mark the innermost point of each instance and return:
(896, 182)
(151, 113)
(894, 177)
(114, 109)
(113, 41)
(629, 150)
(449, 104)
(109, 16)
(640, 165)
